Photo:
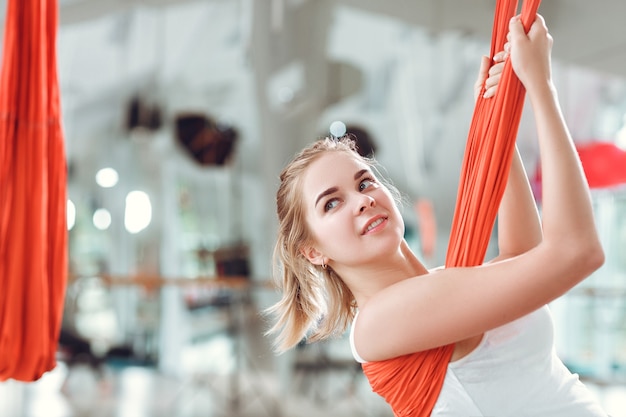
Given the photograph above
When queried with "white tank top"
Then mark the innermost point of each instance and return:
(513, 372)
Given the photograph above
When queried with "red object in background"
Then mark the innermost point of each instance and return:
(33, 231)
(603, 162)
(427, 221)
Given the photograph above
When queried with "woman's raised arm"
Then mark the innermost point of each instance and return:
(455, 304)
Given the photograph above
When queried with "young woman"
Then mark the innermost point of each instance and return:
(341, 258)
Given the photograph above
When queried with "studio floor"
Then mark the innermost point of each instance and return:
(218, 377)
(214, 382)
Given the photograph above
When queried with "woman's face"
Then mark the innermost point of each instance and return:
(353, 218)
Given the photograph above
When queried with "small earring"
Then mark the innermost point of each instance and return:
(324, 265)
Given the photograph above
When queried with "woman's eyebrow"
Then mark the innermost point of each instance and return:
(360, 173)
(325, 193)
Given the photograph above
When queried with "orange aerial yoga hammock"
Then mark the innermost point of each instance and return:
(33, 232)
(411, 383)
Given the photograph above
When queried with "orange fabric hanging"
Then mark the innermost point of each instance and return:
(484, 173)
(33, 231)
(489, 151)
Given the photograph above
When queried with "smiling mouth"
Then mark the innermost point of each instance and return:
(374, 224)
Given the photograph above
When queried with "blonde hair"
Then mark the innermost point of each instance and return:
(315, 303)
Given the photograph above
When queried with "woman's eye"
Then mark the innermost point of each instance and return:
(331, 204)
(366, 183)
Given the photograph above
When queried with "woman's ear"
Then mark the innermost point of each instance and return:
(313, 255)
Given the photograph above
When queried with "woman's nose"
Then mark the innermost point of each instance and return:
(366, 202)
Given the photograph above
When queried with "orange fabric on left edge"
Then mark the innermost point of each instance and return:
(33, 231)
(411, 384)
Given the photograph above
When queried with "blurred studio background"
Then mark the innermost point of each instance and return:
(178, 117)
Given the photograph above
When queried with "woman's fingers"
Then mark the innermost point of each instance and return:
(483, 73)
(502, 55)
(495, 74)
(491, 86)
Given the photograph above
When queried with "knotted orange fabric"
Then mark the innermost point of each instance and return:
(33, 232)
(411, 384)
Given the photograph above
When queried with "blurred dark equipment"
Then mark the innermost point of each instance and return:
(75, 349)
(229, 262)
(364, 143)
(143, 115)
(208, 142)
(90, 332)
(233, 261)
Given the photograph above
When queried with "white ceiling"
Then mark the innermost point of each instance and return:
(110, 49)
(589, 33)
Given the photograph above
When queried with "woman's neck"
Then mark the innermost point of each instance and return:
(367, 280)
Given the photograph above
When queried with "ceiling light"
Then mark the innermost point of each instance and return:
(107, 177)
